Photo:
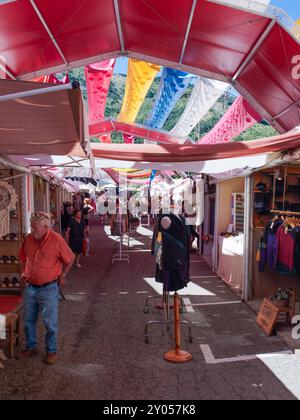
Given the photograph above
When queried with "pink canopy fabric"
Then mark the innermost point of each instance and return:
(196, 153)
(237, 119)
(133, 130)
(51, 79)
(240, 42)
(49, 123)
(98, 77)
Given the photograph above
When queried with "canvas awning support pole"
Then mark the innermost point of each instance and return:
(215, 253)
(35, 92)
(37, 11)
(248, 217)
(119, 26)
(11, 165)
(13, 177)
(188, 30)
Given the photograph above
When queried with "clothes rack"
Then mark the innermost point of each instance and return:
(167, 322)
(120, 256)
(285, 213)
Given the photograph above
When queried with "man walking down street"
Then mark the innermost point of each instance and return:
(47, 260)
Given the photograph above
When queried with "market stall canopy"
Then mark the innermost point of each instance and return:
(49, 123)
(224, 167)
(61, 166)
(136, 130)
(191, 153)
(250, 44)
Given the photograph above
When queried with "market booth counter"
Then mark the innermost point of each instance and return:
(231, 261)
(230, 225)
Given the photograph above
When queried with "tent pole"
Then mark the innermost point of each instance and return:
(216, 231)
(35, 92)
(247, 252)
(254, 50)
(286, 110)
(7, 72)
(12, 165)
(119, 25)
(188, 30)
(37, 11)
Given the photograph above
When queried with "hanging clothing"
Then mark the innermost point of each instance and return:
(297, 253)
(286, 250)
(174, 269)
(269, 247)
(279, 248)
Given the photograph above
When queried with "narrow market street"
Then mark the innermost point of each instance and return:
(103, 354)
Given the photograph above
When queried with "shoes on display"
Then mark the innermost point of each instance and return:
(10, 283)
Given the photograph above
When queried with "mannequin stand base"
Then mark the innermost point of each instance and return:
(178, 357)
(120, 257)
(162, 307)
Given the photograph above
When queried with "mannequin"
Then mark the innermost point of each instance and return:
(172, 269)
(174, 252)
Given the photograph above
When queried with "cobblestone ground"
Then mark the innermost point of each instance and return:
(103, 354)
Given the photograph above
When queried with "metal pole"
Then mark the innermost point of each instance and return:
(12, 165)
(35, 92)
(188, 30)
(247, 248)
(216, 230)
(37, 11)
(119, 26)
(284, 187)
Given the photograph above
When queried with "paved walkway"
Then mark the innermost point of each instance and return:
(103, 354)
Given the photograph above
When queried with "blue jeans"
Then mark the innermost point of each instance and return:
(45, 299)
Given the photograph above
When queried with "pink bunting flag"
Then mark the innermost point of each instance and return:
(237, 119)
(98, 77)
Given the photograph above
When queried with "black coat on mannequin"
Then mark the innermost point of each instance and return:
(175, 259)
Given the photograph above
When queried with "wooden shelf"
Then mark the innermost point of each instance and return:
(263, 192)
(12, 290)
(10, 268)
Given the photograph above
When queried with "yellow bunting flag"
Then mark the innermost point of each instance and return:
(139, 79)
(296, 29)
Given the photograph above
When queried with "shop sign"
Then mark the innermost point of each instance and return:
(296, 67)
(267, 317)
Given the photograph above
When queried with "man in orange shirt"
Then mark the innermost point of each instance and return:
(47, 260)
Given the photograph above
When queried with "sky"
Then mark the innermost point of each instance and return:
(292, 7)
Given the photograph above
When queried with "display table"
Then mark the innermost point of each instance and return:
(10, 308)
(231, 261)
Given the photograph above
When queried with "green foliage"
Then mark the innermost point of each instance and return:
(258, 131)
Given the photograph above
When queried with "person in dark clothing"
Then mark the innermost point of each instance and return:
(66, 217)
(75, 235)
